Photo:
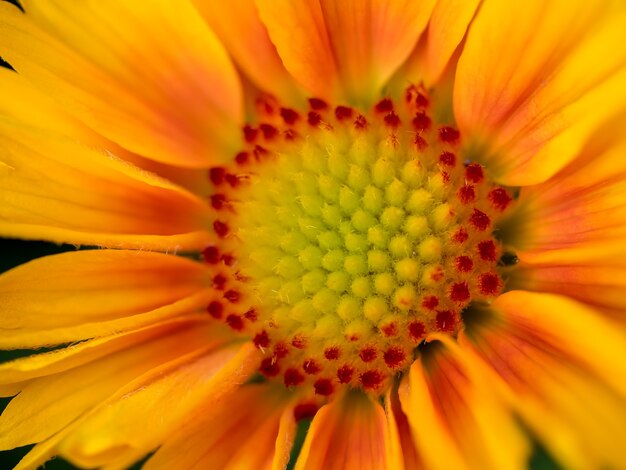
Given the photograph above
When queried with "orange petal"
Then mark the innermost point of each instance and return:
(57, 189)
(161, 401)
(402, 452)
(35, 108)
(447, 28)
(563, 365)
(48, 404)
(237, 433)
(535, 80)
(345, 50)
(456, 418)
(150, 77)
(350, 432)
(239, 28)
(74, 296)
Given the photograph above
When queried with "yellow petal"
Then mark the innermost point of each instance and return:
(456, 418)
(349, 433)
(159, 401)
(239, 28)
(238, 433)
(152, 78)
(56, 189)
(345, 50)
(34, 107)
(535, 80)
(447, 27)
(562, 365)
(74, 296)
(60, 360)
(48, 404)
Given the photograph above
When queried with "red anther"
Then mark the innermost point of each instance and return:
(392, 120)
(343, 112)
(235, 322)
(251, 315)
(463, 264)
(489, 284)
(460, 236)
(394, 356)
(304, 411)
(261, 340)
(416, 331)
(250, 133)
(292, 377)
(269, 367)
(221, 229)
(218, 201)
(384, 106)
(259, 152)
(474, 173)
(269, 131)
(372, 379)
(299, 342)
(232, 296)
(421, 121)
(487, 250)
(228, 260)
(389, 330)
(420, 143)
(421, 101)
(219, 281)
(290, 134)
(332, 353)
(345, 373)
(266, 104)
(447, 159)
(500, 198)
(216, 175)
(313, 118)
(281, 350)
(430, 302)
(215, 309)
(449, 135)
(211, 254)
(411, 91)
(232, 180)
(323, 387)
(311, 367)
(242, 158)
(368, 354)
(360, 122)
(445, 320)
(459, 292)
(466, 194)
(479, 220)
(317, 104)
(289, 116)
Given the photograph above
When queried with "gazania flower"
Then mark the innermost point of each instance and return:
(334, 234)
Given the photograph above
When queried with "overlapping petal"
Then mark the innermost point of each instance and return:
(346, 50)
(349, 432)
(563, 365)
(456, 418)
(535, 80)
(181, 105)
(75, 296)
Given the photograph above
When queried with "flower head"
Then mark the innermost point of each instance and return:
(390, 230)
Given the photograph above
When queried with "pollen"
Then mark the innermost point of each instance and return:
(344, 238)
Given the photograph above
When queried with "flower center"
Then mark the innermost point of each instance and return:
(346, 238)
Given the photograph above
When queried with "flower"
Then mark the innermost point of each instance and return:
(401, 222)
